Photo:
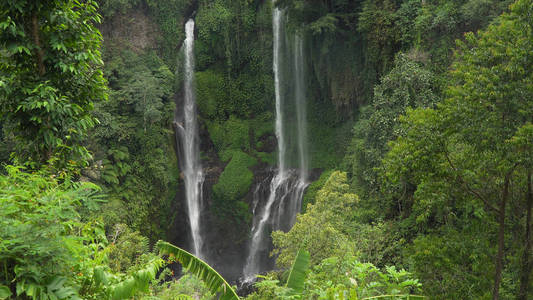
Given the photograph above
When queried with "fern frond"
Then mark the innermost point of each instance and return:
(138, 281)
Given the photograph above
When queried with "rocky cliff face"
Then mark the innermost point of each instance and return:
(133, 30)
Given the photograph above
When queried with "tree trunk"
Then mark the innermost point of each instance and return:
(501, 237)
(526, 258)
(36, 39)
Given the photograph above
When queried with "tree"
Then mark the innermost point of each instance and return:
(323, 229)
(339, 278)
(407, 85)
(462, 151)
(50, 77)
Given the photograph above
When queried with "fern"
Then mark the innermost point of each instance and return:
(137, 282)
(117, 288)
(55, 289)
(214, 281)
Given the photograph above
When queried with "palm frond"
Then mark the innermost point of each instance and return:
(214, 281)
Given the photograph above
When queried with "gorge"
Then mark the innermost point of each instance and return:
(275, 209)
(296, 149)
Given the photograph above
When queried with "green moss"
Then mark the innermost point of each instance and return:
(236, 178)
(209, 91)
(230, 134)
(233, 184)
(313, 188)
(226, 155)
(266, 157)
(262, 124)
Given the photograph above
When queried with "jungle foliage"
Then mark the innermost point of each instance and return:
(50, 78)
(419, 119)
(132, 145)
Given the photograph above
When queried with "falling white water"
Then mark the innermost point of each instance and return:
(299, 96)
(252, 263)
(193, 174)
(252, 266)
(286, 191)
(300, 99)
(277, 28)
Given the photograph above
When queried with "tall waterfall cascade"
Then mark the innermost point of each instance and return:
(301, 113)
(186, 126)
(288, 183)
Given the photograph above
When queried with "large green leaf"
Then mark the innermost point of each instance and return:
(139, 281)
(214, 281)
(5, 292)
(299, 272)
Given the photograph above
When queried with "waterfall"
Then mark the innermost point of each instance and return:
(252, 263)
(286, 187)
(301, 125)
(301, 113)
(187, 132)
(277, 29)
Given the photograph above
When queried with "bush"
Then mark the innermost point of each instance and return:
(41, 235)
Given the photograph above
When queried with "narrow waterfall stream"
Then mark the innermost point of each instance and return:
(299, 97)
(187, 131)
(301, 125)
(287, 186)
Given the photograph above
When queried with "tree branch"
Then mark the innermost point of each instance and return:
(468, 188)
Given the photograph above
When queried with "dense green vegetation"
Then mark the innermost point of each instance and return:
(420, 141)
(50, 79)
(54, 246)
(132, 143)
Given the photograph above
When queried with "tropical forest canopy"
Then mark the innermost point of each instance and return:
(420, 142)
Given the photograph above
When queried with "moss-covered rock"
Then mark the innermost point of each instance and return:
(232, 186)
(231, 134)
